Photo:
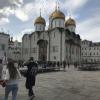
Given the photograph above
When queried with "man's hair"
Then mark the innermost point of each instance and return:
(0, 61)
(12, 70)
(31, 59)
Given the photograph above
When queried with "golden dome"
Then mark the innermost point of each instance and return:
(70, 21)
(40, 20)
(57, 14)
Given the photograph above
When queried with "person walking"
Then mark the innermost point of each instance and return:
(31, 77)
(68, 65)
(0, 68)
(58, 65)
(11, 84)
(75, 65)
(64, 65)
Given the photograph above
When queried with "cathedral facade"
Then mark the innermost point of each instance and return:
(58, 43)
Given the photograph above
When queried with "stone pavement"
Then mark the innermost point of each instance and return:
(69, 85)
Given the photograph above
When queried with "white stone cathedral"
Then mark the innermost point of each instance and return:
(58, 43)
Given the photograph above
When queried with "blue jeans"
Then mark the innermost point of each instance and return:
(13, 89)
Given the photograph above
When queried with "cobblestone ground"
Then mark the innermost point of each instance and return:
(69, 85)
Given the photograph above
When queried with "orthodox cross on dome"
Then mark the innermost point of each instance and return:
(40, 12)
(69, 13)
(58, 6)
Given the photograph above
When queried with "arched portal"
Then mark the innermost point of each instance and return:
(42, 50)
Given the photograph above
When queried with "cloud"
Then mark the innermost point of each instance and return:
(7, 8)
(4, 21)
(21, 15)
(6, 11)
(4, 14)
(10, 3)
(27, 31)
(17, 2)
(89, 28)
(71, 6)
(32, 9)
(24, 12)
(24, 31)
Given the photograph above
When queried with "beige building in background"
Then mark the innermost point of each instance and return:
(15, 50)
(4, 38)
(12, 49)
(90, 51)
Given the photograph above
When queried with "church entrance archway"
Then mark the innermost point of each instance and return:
(42, 50)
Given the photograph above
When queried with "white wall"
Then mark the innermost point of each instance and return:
(58, 23)
(39, 27)
(26, 47)
(71, 28)
(55, 42)
(14, 48)
(34, 47)
(55, 46)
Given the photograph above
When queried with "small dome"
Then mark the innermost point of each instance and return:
(40, 20)
(57, 14)
(70, 21)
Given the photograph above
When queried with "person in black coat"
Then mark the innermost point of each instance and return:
(31, 76)
(1, 67)
(64, 65)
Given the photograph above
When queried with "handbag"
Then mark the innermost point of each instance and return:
(4, 76)
(3, 83)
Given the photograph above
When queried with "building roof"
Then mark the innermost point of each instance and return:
(40, 20)
(70, 21)
(57, 14)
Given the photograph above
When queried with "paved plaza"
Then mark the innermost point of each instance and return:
(69, 85)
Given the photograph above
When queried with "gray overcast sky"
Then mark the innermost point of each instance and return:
(17, 16)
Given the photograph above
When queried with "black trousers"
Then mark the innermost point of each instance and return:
(30, 92)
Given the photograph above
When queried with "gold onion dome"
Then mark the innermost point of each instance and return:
(40, 20)
(57, 14)
(70, 21)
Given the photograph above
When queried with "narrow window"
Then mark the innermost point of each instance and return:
(55, 23)
(54, 34)
(34, 37)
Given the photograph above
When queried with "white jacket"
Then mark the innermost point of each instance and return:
(5, 73)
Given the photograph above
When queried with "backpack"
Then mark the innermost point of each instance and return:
(33, 71)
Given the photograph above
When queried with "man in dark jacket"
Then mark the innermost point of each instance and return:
(31, 76)
(64, 65)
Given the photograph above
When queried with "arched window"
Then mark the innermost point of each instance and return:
(54, 34)
(40, 28)
(34, 37)
(36, 27)
(55, 23)
(59, 23)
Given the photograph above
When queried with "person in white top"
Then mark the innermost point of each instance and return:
(12, 82)
(3, 67)
(4, 59)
